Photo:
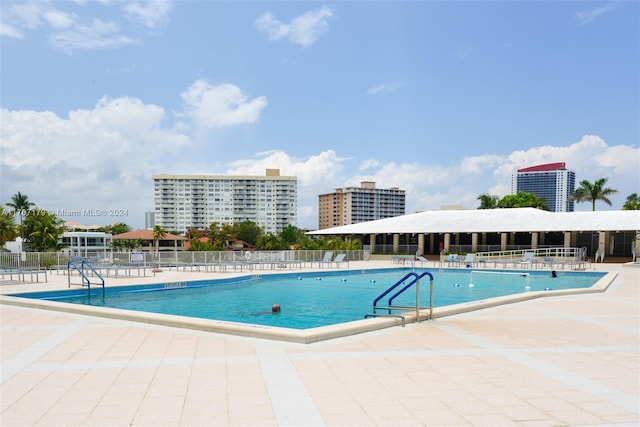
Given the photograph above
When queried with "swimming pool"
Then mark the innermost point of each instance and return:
(313, 300)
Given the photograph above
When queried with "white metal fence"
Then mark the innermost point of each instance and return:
(59, 260)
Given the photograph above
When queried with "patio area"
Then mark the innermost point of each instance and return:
(567, 360)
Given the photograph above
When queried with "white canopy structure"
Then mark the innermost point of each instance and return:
(493, 221)
(610, 232)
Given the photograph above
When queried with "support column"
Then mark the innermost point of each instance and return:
(474, 242)
(421, 244)
(447, 241)
(396, 243)
(567, 239)
(503, 241)
(432, 241)
(534, 240)
(602, 242)
(372, 243)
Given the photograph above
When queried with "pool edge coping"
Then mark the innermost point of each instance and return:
(306, 336)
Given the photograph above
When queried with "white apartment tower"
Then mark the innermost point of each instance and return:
(196, 201)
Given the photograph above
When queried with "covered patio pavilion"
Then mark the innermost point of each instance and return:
(610, 233)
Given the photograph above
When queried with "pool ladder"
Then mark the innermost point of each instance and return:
(71, 265)
(413, 279)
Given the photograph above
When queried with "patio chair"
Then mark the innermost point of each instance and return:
(326, 259)
(422, 259)
(468, 261)
(451, 259)
(527, 259)
(340, 258)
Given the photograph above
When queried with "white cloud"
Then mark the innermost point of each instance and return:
(97, 35)
(303, 30)
(71, 32)
(150, 13)
(58, 19)
(384, 87)
(313, 171)
(17, 17)
(221, 106)
(26, 15)
(479, 164)
(369, 164)
(621, 160)
(98, 158)
(584, 17)
(7, 30)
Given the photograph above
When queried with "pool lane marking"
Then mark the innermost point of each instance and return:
(23, 359)
(613, 396)
(292, 404)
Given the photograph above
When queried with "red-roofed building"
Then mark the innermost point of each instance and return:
(552, 182)
(170, 242)
(234, 245)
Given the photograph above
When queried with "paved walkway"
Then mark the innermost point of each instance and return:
(570, 360)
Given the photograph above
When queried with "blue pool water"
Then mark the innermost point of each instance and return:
(310, 300)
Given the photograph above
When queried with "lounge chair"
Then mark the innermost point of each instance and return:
(326, 259)
(468, 261)
(451, 259)
(422, 259)
(340, 258)
(527, 260)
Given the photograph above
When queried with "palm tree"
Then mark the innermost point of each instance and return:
(158, 233)
(591, 192)
(487, 201)
(43, 231)
(45, 236)
(632, 203)
(21, 205)
(8, 229)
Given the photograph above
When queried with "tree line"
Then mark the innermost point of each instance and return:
(587, 192)
(41, 230)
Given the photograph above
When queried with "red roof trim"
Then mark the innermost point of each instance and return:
(545, 168)
(145, 235)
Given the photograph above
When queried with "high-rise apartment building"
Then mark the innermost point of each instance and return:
(351, 205)
(552, 182)
(186, 201)
(149, 220)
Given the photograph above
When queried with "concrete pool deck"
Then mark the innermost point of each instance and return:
(566, 360)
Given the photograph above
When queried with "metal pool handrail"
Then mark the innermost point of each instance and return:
(416, 281)
(80, 270)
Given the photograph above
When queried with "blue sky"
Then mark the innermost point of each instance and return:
(442, 99)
